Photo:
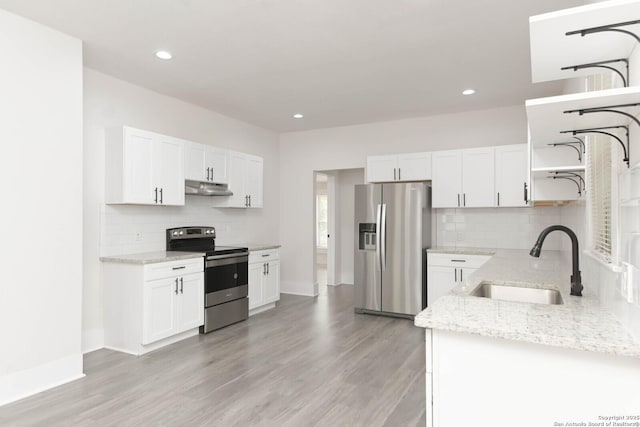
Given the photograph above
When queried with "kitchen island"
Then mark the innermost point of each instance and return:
(494, 363)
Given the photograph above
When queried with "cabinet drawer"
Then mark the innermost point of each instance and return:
(173, 268)
(264, 256)
(456, 260)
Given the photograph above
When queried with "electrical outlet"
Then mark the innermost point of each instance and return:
(138, 237)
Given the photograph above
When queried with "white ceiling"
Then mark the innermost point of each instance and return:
(337, 61)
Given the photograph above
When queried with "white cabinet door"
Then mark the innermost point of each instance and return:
(190, 302)
(257, 271)
(168, 165)
(447, 179)
(138, 174)
(159, 314)
(253, 185)
(217, 162)
(511, 175)
(195, 166)
(440, 280)
(478, 177)
(272, 282)
(237, 173)
(382, 168)
(414, 167)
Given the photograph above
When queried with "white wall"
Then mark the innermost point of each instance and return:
(346, 182)
(302, 153)
(111, 230)
(41, 187)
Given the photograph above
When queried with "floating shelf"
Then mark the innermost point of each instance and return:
(547, 117)
(544, 172)
(552, 49)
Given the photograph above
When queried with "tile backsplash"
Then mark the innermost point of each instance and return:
(133, 229)
(509, 228)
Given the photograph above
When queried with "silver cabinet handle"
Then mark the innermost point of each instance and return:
(394, 174)
(461, 275)
(455, 275)
(249, 200)
(207, 174)
(156, 190)
(264, 269)
(458, 199)
(526, 197)
(246, 201)
(161, 196)
(399, 174)
(464, 199)
(176, 291)
(179, 268)
(267, 269)
(458, 260)
(498, 198)
(181, 285)
(265, 255)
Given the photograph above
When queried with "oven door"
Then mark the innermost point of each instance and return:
(226, 278)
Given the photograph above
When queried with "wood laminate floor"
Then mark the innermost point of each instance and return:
(309, 362)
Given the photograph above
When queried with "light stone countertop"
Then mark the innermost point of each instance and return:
(462, 251)
(261, 247)
(151, 257)
(580, 323)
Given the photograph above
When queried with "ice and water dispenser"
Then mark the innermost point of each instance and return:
(367, 240)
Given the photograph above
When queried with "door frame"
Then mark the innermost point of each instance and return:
(331, 229)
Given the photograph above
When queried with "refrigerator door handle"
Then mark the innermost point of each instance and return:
(378, 237)
(383, 238)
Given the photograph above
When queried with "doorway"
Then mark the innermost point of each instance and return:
(334, 227)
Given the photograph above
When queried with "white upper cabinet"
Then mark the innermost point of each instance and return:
(512, 176)
(478, 177)
(399, 168)
(245, 181)
(447, 179)
(382, 168)
(143, 168)
(205, 163)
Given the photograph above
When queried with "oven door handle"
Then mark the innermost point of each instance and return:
(226, 260)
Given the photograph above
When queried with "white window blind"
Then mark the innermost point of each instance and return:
(599, 184)
(599, 194)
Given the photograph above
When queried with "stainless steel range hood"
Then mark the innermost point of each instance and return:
(200, 188)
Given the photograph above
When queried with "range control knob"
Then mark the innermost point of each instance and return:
(175, 233)
(181, 233)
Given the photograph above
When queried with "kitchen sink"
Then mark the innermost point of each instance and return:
(513, 292)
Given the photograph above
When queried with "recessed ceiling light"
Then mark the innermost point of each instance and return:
(298, 116)
(468, 92)
(163, 54)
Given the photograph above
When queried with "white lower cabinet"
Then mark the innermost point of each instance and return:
(149, 306)
(264, 280)
(446, 271)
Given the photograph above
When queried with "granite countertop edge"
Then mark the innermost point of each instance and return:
(151, 257)
(580, 323)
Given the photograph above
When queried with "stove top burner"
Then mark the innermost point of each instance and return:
(198, 239)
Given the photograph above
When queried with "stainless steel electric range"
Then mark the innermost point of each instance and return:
(226, 277)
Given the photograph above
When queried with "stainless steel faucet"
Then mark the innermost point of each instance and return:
(576, 278)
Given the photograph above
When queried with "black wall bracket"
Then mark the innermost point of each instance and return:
(570, 176)
(580, 149)
(601, 130)
(611, 27)
(608, 109)
(602, 64)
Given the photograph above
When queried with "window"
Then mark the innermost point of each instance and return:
(600, 181)
(321, 220)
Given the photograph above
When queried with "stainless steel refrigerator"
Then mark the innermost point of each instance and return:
(392, 231)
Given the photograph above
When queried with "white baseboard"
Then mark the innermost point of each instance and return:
(301, 294)
(298, 288)
(28, 382)
(92, 340)
(261, 309)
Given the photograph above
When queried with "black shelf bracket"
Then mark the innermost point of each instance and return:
(601, 130)
(580, 149)
(611, 27)
(570, 176)
(601, 64)
(608, 109)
